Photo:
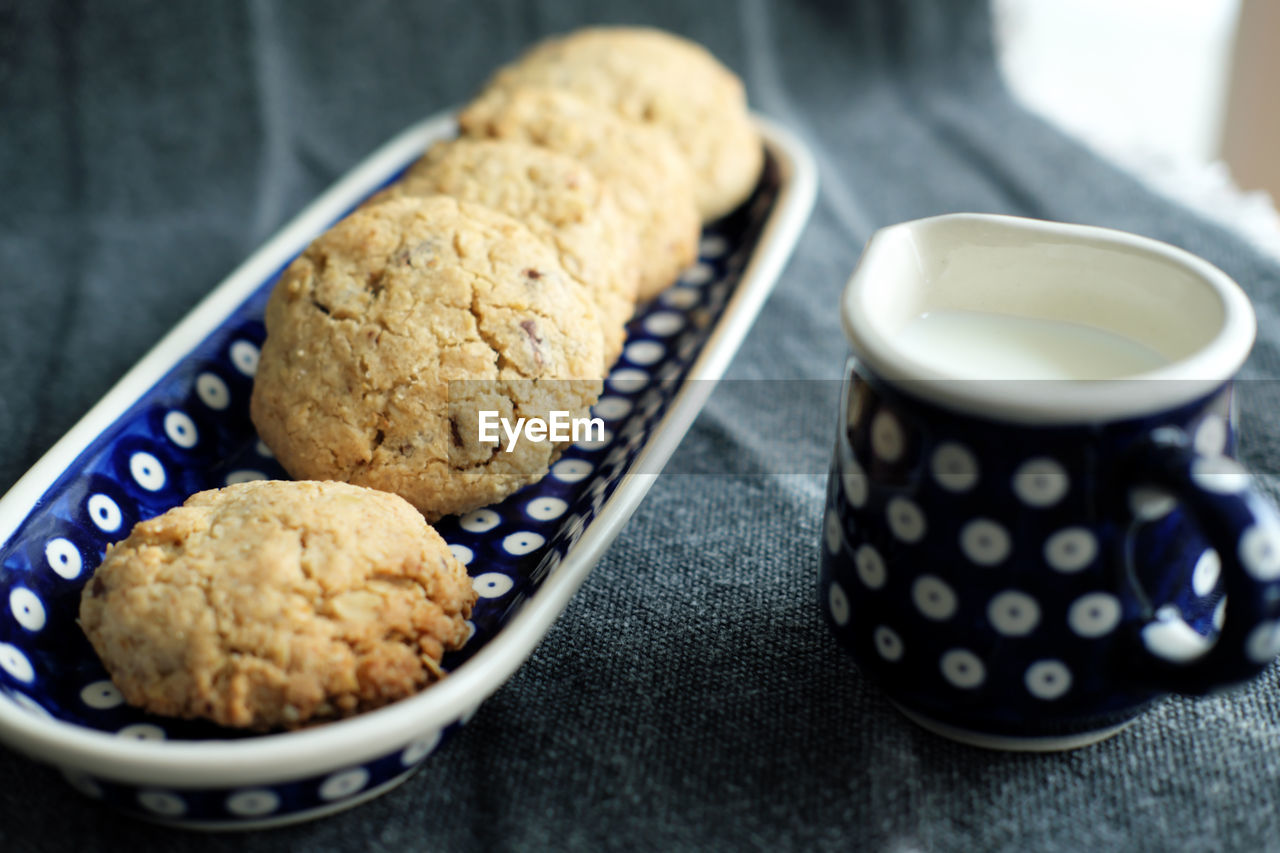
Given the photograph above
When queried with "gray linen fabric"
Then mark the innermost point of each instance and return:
(690, 697)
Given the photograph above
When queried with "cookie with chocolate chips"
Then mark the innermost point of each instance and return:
(640, 165)
(391, 334)
(558, 198)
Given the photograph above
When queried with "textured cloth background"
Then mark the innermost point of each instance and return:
(690, 697)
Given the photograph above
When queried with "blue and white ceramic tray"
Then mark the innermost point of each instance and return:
(178, 422)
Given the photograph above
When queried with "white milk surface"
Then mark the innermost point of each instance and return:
(975, 345)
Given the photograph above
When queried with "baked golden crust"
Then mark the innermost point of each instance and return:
(558, 199)
(660, 79)
(274, 603)
(389, 334)
(640, 165)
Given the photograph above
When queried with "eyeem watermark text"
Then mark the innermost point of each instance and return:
(559, 427)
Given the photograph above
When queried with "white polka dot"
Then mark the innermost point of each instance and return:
(64, 558)
(27, 608)
(163, 803)
(855, 482)
(1263, 643)
(1013, 613)
(244, 356)
(698, 274)
(1171, 638)
(545, 509)
(1148, 503)
(574, 524)
(253, 802)
(612, 408)
(344, 784)
(888, 643)
(628, 380)
(1220, 613)
(419, 749)
(471, 631)
(984, 542)
(933, 598)
(887, 439)
(181, 429)
(104, 513)
(1094, 614)
(1211, 436)
(83, 783)
(1259, 551)
(870, 566)
(263, 450)
(634, 428)
(1048, 679)
(1040, 482)
(479, 521)
(141, 731)
(571, 470)
(617, 456)
(212, 391)
(14, 662)
(147, 471)
(838, 603)
(831, 533)
(644, 352)
(712, 246)
(664, 324)
(906, 521)
(1205, 575)
(101, 695)
(462, 554)
(1169, 435)
(853, 413)
(550, 563)
(595, 439)
(1070, 549)
(244, 475)
(523, 542)
(1219, 474)
(963, 669)
(954, 467)
(682, 298)
(30, 705)
(492, 584)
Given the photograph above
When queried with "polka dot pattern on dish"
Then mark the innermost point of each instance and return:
(888, 643)
(191, 431)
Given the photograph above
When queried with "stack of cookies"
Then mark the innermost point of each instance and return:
(499, 274)
(501, 271)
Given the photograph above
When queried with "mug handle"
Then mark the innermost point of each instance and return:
(1243, 526)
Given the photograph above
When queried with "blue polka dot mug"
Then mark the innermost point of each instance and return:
(1034, 528)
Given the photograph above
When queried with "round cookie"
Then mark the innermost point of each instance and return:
(390, 334)
(660, 79)
(640, 165)
(272, 604)
(556, 197)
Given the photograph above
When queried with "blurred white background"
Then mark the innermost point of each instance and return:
(1180, 92)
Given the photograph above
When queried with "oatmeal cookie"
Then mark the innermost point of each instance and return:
(640, 165)
(657, 78)
(557, 198)
(272, 604)
(394, 329)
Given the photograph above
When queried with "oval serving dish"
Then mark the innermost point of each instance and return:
(178, 423)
